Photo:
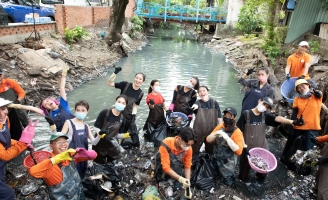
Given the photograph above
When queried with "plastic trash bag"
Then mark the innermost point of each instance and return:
(202, 172)
(92, 185)
(151, 193)
(157, 135)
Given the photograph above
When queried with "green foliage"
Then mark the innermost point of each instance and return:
(314, 46)
(137, 24)
(273, 51)
(72, 35)
(202, 4)
(248, 19)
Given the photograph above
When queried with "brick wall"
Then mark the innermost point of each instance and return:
(18, 32)
(70, 16)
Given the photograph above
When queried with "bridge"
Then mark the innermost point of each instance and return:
(180, 13)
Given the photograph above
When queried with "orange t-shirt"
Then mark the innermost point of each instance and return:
(323, 138)
(165, 156)
(158, 99)
(310, 109)
(297, 64)
(237, 137)
(10, 83)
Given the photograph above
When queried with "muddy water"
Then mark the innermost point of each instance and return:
(170, 62)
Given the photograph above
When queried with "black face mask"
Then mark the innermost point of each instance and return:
(228, 121)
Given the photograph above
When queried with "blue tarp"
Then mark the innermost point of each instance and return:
(291, 5)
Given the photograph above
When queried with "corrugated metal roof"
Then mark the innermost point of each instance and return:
(304, 18)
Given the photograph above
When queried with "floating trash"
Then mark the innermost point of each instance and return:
(30, 188)
(177, 120)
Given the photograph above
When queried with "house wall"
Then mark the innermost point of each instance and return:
(234, 7)
(304, 18)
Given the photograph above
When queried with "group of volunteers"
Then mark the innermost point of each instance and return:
(224, 135)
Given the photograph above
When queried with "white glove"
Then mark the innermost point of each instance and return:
(233, 146)
(112, 77)
(194, 107)
(65, 69)
(188, 191)
(221, 133)
(185, 182)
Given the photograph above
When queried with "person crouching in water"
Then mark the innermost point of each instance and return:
(59, 171)
(229, 141)
(253, 123)
(174, 159)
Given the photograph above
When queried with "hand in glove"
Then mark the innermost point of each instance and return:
(65, 69)
(287, 76)
(168, 113)
(117, 69)
(82, 153)
(66, 155)
(245, 151)
(251, 70)
(51, 123)
(322, 160)
(28, 132)
(194, 107)
(188, 193)
(221, 133)
(314, 140)
(317, 93)
(151, 102)
(103, 133)
(187, 109)
(185, 182)
(301, 77)
(126, 135)
(16, 106)
(298, 122)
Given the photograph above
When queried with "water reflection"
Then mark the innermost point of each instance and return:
(170, 62)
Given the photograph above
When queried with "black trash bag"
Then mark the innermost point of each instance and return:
(92, 188)
(134, 137)
(157, 135)
(202, 172)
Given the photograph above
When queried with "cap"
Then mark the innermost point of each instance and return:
(300, 81)
(231, 110)
(57, 135)
(4, 102)
(268, 101)
(304, 43)
(0, 71)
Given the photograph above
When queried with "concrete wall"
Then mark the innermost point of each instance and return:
(18, 32)
(234, 7)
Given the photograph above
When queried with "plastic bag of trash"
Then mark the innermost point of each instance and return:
(203, 172)
(157, 135)
(150, 193)
(96, 175)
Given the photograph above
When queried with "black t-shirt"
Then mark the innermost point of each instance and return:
(208, 105)
(256, 120)
(111, 118)
(130, 92)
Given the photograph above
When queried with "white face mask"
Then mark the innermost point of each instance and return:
(184, 148)
(189, 85)
(261, 108)
(306, 92)
(157, 89)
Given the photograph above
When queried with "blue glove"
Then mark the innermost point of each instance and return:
(287, 76)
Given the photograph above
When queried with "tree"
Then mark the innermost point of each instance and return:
(116, 21)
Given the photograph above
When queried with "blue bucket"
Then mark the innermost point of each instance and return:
(177, 114)
(287, 89)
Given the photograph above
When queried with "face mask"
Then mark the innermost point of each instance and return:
(189, 85)
(157, 89)
(262, 79)
(183, 147)
(261, 108)
(119, 107)
(80, 115)
(228, 121)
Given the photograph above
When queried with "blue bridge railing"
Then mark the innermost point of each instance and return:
(180, 13)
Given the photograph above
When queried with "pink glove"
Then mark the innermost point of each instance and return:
(28, 132)
(171, 107)
(85, 154)
(190, 116)
(29, 146)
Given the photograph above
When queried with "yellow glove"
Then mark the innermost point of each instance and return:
(62, 156)
(188, 193)
(185, 182)
(102, 136)
(126, 135)
(16, 106)
(112, 77)
(53, 127)
(65, 69)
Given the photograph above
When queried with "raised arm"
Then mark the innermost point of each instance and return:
(112, 77)
(63, 82)
(30, 108)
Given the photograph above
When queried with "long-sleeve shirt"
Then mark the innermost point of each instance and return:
(165, 156)
(15, 149)
(236, 136)
(51, 173)
(323, 138)
(10, 83)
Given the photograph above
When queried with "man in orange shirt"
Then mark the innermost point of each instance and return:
(228, 140)
(299, 63)
(9, 148)
(59, 171)
(174, 157)
(12, 91)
